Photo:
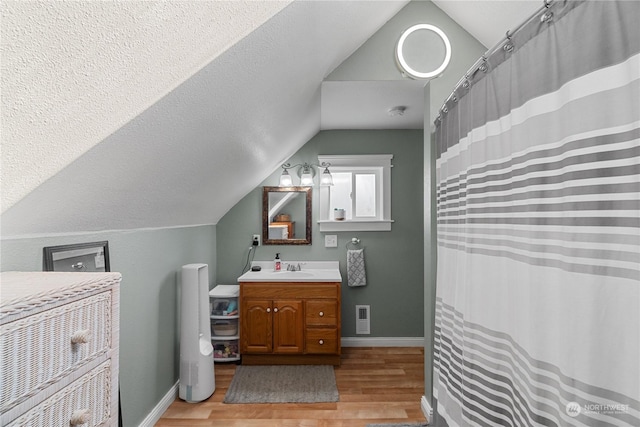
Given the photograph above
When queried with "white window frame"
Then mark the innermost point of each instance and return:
(381, 165)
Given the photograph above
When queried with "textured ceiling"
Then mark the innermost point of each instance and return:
(120, 115)
(75, 72)
(189, 157)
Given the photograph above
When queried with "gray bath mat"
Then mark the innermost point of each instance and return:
(398, 425)
(283, 384)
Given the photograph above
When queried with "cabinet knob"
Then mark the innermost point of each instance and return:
(321, 314)
(268, 310)
(79, 417)
(81, 337)
(275, 310)
(321, 342)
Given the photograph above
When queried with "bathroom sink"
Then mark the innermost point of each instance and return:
(312, 271)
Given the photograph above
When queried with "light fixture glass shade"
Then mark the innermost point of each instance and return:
(306, 178)
(326, 178)
(285, 179)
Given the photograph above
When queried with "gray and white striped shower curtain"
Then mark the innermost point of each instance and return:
(538, 210)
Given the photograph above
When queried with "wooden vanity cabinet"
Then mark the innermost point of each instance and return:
(290, 323)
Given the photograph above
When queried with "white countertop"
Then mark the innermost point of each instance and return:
(311, 271)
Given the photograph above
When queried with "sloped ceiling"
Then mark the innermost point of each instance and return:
(489, 20)
(189, 157)
(75, 72)
(122, 115)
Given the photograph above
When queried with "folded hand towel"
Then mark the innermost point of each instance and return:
(356, 275)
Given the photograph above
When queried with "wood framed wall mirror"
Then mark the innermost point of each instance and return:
(286, 215)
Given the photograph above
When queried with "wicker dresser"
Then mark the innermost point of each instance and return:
(59, 349)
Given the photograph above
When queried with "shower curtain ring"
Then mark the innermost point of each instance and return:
(508, 46)
(465, 83)
(484, 67)
(546, 17)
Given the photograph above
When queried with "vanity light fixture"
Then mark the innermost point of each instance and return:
(306, 179)
(326, 178)
(306, 172)
(285, 178)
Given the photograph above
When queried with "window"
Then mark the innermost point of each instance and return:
(362, 187)
(355, 192)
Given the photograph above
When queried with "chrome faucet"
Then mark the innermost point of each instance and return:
(292, 267)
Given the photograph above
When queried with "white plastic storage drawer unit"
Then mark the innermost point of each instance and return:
(59, 347)
(225, 333)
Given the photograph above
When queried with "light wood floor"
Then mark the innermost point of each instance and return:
(376, 385)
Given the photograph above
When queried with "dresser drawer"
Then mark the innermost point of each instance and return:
(41, 349)
(321, 341)
(85, 402)
(321, 312)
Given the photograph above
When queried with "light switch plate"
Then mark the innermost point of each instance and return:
(331, 241)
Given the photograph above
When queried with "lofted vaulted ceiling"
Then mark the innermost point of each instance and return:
(121, 115)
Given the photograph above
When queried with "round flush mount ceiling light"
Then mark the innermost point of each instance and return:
(419, 46)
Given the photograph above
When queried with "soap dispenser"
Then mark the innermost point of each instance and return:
(277, 263)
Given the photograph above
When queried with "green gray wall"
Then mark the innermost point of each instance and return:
(394, 260)
(375, 59)
(150, 262)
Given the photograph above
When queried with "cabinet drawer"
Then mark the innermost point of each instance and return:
(322, 341)
(225, 350)
(43, 348)
(321, 312)
(89, 397)
(285, 290)
(224, 328)
(224, 306)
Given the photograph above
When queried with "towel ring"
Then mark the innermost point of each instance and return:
(354, 241)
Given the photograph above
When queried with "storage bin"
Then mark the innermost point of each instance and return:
(224, 327)
(226, 350)
(224, 306)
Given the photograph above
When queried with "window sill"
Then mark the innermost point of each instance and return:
(377, 225)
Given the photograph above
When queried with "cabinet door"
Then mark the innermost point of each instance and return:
(288, 327)
(256, 329)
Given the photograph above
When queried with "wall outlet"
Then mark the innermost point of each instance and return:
(256, 238)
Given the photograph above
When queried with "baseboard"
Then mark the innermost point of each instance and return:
(382, 342)
(426, 409)
(161, 407)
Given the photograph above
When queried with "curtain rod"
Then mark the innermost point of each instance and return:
(476, 65)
